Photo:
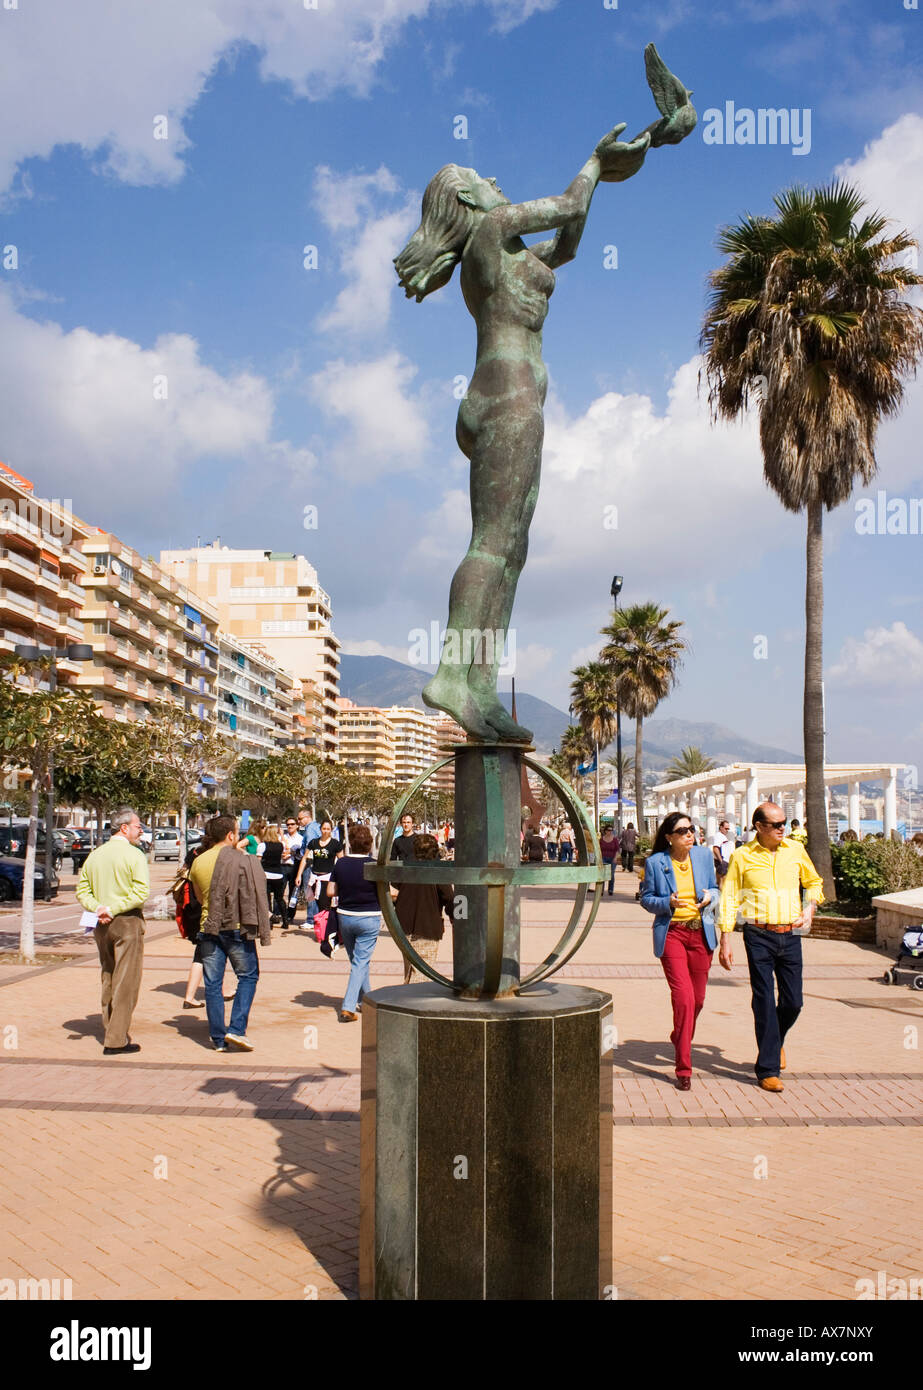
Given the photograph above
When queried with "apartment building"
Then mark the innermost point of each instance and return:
(448, 733)
(41, 565)
(366, 740)
(416, 743)
(153, 640)
(257, 699)
(273, 598)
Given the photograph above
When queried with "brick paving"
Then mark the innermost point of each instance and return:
(183, 1173)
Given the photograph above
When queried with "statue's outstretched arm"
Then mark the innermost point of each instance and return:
(612, 161)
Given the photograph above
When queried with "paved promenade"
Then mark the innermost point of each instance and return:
(184, 1173)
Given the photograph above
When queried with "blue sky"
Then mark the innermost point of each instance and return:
(291, 387)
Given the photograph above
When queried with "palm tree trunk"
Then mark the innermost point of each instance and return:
(815, 803)
(639, 779)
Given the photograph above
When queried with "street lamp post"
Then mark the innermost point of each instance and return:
(615, 590)
(76, 651)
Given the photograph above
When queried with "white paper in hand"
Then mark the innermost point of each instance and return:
(89, 921)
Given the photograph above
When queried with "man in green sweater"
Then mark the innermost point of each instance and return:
(115, 884)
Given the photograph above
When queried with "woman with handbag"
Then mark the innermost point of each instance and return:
(318, 860)
(358, 916)
(681, 890)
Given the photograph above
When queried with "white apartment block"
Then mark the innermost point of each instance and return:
(273, 598)
(416, 741)
(256, 698)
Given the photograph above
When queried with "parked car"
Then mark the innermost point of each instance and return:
(194, 837)
(13, 842)
(166, 843)
(12, 874)
(79, 845)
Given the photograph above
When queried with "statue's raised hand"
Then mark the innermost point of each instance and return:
(619, 159)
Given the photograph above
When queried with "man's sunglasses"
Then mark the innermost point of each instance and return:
(772, 824)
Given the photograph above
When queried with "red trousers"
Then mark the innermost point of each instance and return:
(686, 961)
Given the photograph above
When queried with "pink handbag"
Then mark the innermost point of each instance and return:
(320, 924)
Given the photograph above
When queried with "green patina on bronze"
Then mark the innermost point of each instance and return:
(506, 286)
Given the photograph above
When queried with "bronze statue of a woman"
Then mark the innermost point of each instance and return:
(506, 286)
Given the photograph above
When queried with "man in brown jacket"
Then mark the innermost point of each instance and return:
(235, 910)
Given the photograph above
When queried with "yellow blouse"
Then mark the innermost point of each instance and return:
(685, 891)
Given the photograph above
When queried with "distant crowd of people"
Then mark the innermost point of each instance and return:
(237, 884)
(234, 887)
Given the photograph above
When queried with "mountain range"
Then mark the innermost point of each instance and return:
(380, 681)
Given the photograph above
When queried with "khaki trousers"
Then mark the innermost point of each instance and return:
(428, 950)
(120, 944)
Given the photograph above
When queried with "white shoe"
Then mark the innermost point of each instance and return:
(235, 1040)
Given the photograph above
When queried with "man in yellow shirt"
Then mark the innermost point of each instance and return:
(763, 890)
(115, 884)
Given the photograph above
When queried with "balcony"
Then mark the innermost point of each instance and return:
(16, 563)
(46, 617)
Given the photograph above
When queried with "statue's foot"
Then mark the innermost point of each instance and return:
(504, 725)
(450, 693)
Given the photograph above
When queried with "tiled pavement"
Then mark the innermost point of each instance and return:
(182, 1173)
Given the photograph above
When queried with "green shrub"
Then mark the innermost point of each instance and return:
(865, 870)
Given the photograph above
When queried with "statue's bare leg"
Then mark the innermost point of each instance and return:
(505, 451)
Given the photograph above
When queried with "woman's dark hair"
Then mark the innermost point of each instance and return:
(667, 827)
(360, 839)
(425, 847)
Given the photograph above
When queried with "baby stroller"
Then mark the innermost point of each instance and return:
(911, 948)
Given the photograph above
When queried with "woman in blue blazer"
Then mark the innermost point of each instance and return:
(681, 890)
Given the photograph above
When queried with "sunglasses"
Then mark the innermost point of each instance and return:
(683, 830)
(773, 824)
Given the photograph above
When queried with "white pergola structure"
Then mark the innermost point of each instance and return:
(747, 784)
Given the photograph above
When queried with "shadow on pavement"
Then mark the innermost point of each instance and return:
(315, 1187)
(89, 1027)
(648, 1059)
(311, 999)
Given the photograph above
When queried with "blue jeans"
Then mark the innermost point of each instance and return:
(216, 952)
(773, 956)
(358, 935)
(611, 863)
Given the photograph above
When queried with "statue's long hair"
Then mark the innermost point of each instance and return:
(432, 253)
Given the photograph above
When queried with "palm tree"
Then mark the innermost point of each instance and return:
(644, 649)
(808, 313)
(688, 763)
(593, 702)
(574, 751)
(624, 775)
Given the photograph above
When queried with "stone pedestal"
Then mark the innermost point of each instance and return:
(486, 1145)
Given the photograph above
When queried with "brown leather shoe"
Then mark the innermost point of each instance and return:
(684, 1083)
(771, 1083)
(347, 1017)
(782, 1059)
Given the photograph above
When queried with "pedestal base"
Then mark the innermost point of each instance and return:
(486, 1145)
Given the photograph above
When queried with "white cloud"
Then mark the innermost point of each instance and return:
(371, 648)
(890, 172)
(345, 200)
(886, 660)
(584, 655)
(528, 661)
(79, 408)
(95, 74)
(667, 500)
(347, 204)
(385, 425)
